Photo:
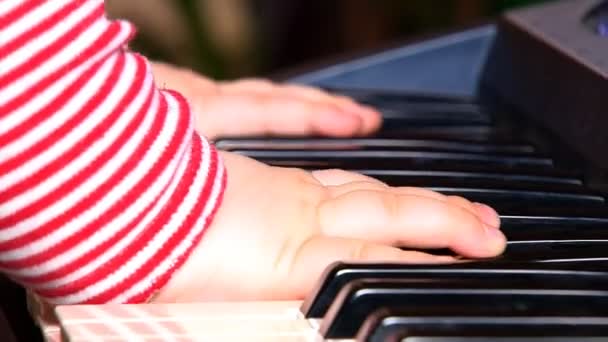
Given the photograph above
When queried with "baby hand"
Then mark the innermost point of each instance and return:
(258, 107)
(278, 229)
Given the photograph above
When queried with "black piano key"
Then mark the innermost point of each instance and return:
(555, 251)
(371, 144)
(389, 165)
(555, 232)
(424, 106)
(502, 198)
(396, 159)
(501, 192)
(476, 180)
(425, 178)
(395, 129)
(360, 298)
(404, 177)
(370, 95)
(416, 116)
(388, 325)
(539, 216)
(337, 276)
(468, 171)
(472, 179)
(433, 113)
(566, 248)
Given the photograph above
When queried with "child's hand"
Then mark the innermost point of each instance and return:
(257, 107)
(277, 230)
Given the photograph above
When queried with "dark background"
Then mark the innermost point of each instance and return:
(269, 36)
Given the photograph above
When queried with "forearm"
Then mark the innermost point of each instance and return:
(105, 186)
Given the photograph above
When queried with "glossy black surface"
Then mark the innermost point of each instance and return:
(460, 296)
(371, 144)
(425, 176)
(341, 274)
(393, 326)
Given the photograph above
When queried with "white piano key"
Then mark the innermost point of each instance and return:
(252, 321)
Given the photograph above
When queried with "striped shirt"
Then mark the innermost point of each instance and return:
(105, 188)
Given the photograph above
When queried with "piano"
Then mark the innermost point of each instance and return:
(512, 114)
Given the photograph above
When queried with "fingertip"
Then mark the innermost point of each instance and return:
(333, 121)
(487, 215)
(483, 238)
(487, 243)
(372, 119)
(496, 241)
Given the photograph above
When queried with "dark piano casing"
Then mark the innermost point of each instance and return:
(543, 61)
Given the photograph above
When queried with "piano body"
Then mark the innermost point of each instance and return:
(510, 114)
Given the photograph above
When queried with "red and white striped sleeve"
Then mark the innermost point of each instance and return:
(105, 188)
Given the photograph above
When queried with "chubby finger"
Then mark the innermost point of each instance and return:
(247, 115)
(485, 213)
(317, 253)
(291, 116)
(301, 92)
(342, 106)
(412, 191)
(409, 220)
(318, 95)
(371, 118)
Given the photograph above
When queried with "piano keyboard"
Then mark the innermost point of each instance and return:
(551, 282)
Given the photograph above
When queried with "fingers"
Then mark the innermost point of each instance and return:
(340, 186)
(290, 115)
(409, 219)
(370, 117)
(324, 113)
(341, 182)
(260, 107)
(488, 215)
(244, 114)
(315, 254)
